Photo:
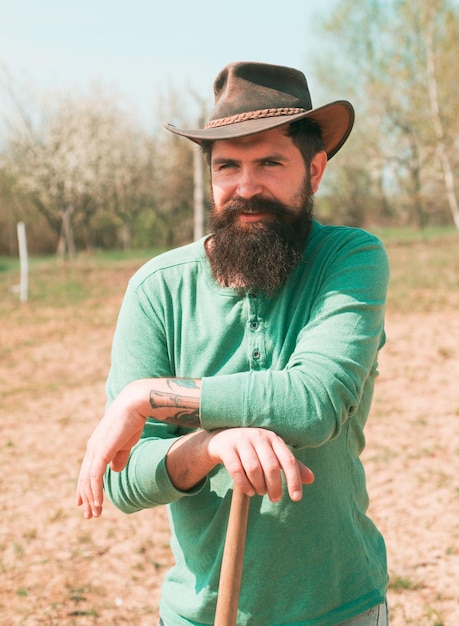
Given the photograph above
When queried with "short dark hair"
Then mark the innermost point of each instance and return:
(305, 134)
(307, 137)
(206, 149)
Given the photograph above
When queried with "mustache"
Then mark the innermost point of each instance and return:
(237, 206)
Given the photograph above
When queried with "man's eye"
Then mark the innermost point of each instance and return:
(224, 166)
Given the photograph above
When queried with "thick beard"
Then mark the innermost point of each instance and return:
(260, 256)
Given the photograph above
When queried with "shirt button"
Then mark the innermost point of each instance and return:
(254, 325)
(252, 295)
(256, 355)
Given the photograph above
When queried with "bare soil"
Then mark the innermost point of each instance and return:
(58, 569)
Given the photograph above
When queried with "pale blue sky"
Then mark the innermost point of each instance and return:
(141, 47)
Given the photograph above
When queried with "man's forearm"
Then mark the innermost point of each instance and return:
(176, 400)
(171, 400)
(188, 461)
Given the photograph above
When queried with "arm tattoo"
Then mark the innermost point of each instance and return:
(174, 407)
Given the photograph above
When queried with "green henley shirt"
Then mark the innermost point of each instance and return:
(302, 364)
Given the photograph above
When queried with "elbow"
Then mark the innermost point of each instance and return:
(320, 416)
(317, 430)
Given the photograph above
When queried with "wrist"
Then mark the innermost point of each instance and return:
(212, 450)
(135, 396)
(188, 461)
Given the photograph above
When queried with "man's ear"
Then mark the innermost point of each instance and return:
(317, 169)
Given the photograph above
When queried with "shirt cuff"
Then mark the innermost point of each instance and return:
(154, 480)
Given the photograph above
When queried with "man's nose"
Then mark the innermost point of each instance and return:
(249, 185)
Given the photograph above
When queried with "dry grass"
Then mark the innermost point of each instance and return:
(58, 569)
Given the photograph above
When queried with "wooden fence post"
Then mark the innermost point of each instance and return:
(24, 262)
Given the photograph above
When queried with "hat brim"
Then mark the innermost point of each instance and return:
(335, 120)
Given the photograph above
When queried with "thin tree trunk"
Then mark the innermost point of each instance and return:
(66, 243)
(448, 174)
(126, 235)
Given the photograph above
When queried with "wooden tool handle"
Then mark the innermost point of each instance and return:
(233, 556)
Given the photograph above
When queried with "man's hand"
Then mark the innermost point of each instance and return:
(175, 401)
(110, 444)
(256, 458)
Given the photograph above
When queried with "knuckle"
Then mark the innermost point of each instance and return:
(290, 462)
(271, 467)
(251, 467)
(234, 469)
(238, 476)
(94, 474)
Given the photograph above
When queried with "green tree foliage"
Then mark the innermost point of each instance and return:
(84, 164)
(397, 63)
(80, 154)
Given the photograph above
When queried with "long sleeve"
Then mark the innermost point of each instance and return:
(141, 350)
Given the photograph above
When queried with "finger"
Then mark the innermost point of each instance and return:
(121, 457)
(96, 475)
(253, 466)
(84, 494)
(89, 492)
(87, 509)
(307, 475)
(120, 460)
(236, 470)
(271, 479)
(84, 501)
(222, 448)
(290, 467)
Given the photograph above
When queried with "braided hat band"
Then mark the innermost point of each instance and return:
(253, 115)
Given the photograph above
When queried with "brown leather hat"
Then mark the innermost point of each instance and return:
(254, 97)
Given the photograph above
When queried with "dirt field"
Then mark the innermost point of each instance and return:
(58, 569)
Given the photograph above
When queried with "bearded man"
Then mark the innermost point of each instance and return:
(249, 358)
